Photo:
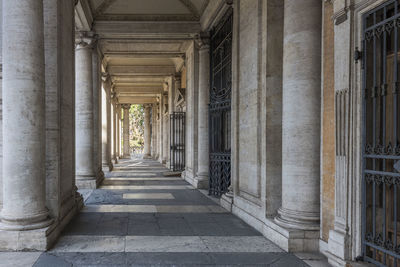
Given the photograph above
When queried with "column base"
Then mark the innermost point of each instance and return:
(89, 182)
(289, 239)
(226, 201)
(33, 222)
(338, 248)
(147, 156)
(106, 167)
(200, 181)
(40, 239)
(300, 220)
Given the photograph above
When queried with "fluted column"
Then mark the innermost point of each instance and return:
(24, 177)
(147, 133)
(201, 180)
(84, 124)
(127, 154)
(301, 116)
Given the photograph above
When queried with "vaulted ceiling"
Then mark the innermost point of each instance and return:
(142, 41)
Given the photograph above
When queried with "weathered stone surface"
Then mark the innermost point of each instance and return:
(328, 126)
(24, 199)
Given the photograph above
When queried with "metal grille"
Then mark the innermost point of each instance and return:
(220, 105)
(177, 141)
(381, 153)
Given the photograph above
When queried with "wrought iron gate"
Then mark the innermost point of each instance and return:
(381, 129)
(220, 105)
(177, 141)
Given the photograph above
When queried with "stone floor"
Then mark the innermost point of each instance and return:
(139, 217)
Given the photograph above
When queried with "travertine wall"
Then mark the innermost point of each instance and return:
(328, 126)
(257, 109)
(1, 106)
(191, 73)
(60, 106)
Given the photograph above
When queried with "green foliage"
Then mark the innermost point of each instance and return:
(136, 128)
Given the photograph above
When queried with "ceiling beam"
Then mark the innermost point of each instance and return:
(83, 16)
(136, 100)
(192, 8)
(141, 70)
(128, 54)
(103, 7)
(138, 90)
(142, 29)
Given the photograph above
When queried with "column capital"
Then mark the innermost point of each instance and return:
(85, 39)
(126, 106)
(105, 76)
(203, 40)
(177, 77)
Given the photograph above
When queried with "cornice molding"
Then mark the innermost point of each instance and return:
(103, 7)
(83, 16)
(146, 17)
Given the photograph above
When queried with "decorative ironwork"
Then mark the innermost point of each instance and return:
(177, 141)
(220, 105)
(381, 129)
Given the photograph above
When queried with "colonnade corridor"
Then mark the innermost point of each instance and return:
(139, 217)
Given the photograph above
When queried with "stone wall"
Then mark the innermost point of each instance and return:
(191, 83)
(257, 109)
(60, 106)
(328, 126)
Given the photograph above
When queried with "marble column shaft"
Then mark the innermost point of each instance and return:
(301, 115)
(24, 145)
(204, 92)
(126, 131)
(84, 130)
(147, 132)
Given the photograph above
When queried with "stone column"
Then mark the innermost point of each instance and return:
(165, 133)
(160, 129)
(118, 120)
(24, 146)
(201, 180)
(84, 130)
(153, 131)
(109, 128)
(175, 83)
(114, 132)
(147, 133)
(105, 120)
(301, 121)
(97, 123)
(127, 153)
